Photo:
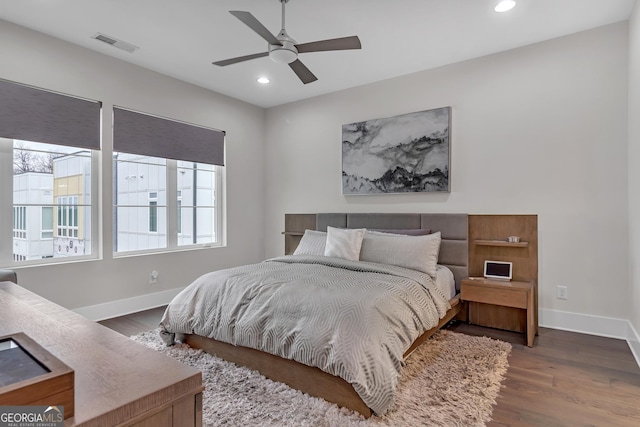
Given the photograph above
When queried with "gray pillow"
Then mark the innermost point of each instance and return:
(415, 252)
(403, 231)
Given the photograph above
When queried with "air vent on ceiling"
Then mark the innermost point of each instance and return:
(127, 47)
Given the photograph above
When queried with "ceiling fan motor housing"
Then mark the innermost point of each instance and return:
(285, 53)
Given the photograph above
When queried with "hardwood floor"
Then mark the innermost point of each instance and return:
(135, 323)
(566, 379)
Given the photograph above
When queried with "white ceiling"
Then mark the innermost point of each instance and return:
(182, 38)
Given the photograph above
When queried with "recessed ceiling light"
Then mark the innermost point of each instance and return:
(505, 5)
(263, 80)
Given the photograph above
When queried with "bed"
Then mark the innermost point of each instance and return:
(314, 355)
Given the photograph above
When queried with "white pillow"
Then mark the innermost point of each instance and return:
(312, 243)
(445, 281)
(415, 252)
(344, 243)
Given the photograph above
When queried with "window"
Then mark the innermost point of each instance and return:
(197, 189)
(52, 141)
(67, 216)
(20, 222)
(139, 193)
(179, 212)
(52, 184)
(46, 214)
(153, 212)
(164, 196)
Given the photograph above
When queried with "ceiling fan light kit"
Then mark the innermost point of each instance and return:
(284, 50)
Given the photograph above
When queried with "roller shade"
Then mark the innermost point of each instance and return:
(39, 115)
(147, 135)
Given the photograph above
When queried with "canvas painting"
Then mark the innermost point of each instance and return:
(402, 154)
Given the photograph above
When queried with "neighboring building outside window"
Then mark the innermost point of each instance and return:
(140, 211)
(72, 195)
(198, 188)
(142, 221)
(51, 185)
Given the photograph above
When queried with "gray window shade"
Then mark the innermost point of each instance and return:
(138, 133)
(38, 115)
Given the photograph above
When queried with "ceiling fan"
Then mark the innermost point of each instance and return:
(283, 49)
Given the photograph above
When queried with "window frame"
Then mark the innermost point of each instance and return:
(171, 207)
(7, 256)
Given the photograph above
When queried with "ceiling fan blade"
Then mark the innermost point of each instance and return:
(240, 59)
(342, 43)
(251, 22)
(302, 72)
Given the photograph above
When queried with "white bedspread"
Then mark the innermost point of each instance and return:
(351, 319)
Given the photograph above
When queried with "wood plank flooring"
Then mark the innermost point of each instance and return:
(566, 379)
(135, 323)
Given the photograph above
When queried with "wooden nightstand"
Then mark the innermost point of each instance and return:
(504, 294)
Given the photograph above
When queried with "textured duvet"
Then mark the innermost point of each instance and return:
(351, 319)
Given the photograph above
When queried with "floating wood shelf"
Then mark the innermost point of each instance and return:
(293, 233)
(501, 243)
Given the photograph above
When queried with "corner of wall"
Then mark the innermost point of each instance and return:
(634, 342)
(592, 325)
(633, 157)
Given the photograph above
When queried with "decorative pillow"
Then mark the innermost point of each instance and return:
(312, 243)
(415, 252)
(403, 231)
(344, 243)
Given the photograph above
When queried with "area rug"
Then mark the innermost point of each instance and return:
(451, 380)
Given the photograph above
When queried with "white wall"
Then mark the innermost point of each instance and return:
(33, 58)
(540, 129)
(634, 177)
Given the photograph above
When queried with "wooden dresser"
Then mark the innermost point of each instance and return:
(117, 382)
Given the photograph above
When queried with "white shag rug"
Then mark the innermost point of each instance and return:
(451, 380)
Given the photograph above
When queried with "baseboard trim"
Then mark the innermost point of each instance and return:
(593, 325)
(634, 342)
(122, 307)
(584, 323)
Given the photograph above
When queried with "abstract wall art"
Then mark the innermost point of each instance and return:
(409, 153)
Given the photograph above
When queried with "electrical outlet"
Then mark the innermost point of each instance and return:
(153, 277)
(563, 292)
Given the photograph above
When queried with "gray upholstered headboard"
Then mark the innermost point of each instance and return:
(454, 249)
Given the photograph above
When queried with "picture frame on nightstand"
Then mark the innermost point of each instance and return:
(498, 270)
